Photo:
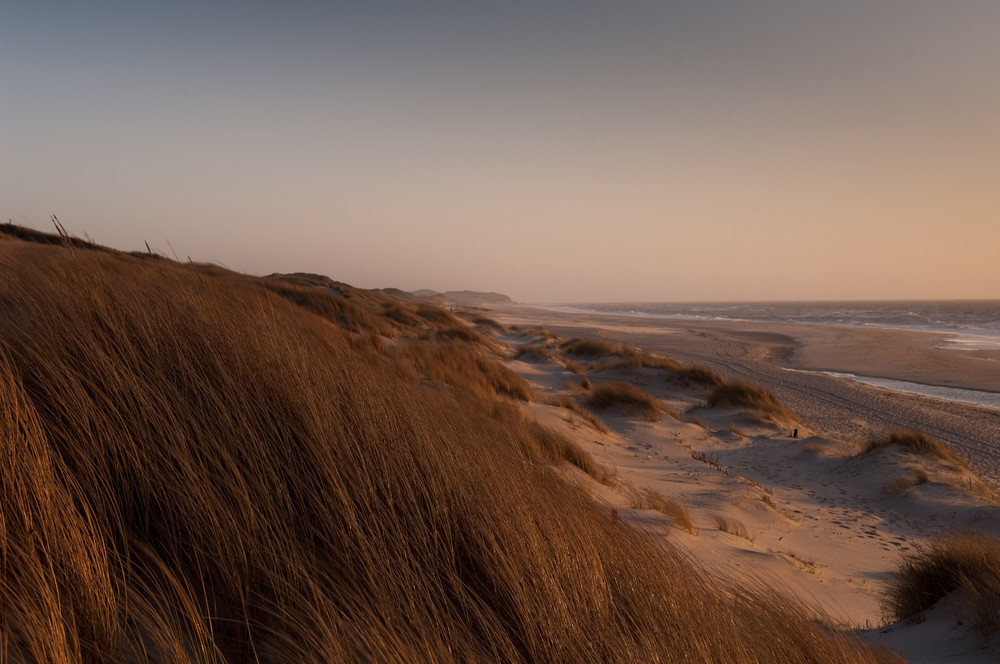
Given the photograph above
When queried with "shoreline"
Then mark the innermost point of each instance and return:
(867, 352)
(793, 360)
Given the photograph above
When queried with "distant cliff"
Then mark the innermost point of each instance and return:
(463, 296)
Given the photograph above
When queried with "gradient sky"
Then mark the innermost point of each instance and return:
(553, 151)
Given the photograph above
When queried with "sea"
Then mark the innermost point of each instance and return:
(966, 324)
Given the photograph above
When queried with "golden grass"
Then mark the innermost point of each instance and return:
(731, 526)
(647, 499)
(571, 405)
(918, 443)
(573, 367)
(621, 356)
(739, 394)
(633, 401)
(538, 333)
(556, 448)
(194, 468)
(457, 333)
(965, 563)
(635, 360)
(533, 353)
(596, 348)
(461, 366)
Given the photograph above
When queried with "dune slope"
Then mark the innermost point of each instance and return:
(202, 466)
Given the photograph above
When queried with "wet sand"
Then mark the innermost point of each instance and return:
(788, 360)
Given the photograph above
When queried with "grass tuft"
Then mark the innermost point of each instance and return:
(596, 348)
(533, 353)
(965, 562)
(731, 526)
(619, 393)
(918, 443)
(652, 500)
(739, 394)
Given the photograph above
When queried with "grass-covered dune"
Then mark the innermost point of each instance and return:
(201, 466)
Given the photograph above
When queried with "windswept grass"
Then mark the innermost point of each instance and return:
(918, 443)
(556, 447)
(533, 353)
(596, 348)
(699, 375)
(537, 353)
(571, 405)
(732, 526)
(338, 310)
(462, 366)
(965, 563)
(738, 394)
(194, 468)
(638, 361)
(487, 325)
(620, 356)
(457, 333)
(633, 400)
(647, 499)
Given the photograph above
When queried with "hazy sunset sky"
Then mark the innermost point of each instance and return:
(553, 151)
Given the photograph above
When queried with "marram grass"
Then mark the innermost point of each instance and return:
(199, 466)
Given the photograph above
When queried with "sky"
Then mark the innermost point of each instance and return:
(578, 151)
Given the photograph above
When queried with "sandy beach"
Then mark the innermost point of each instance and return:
(813, 516)
(791, 360)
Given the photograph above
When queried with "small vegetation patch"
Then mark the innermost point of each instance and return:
(918, 443)
(731, 526)
(652, 500)
(619, 393)
(533, 353)
(711, 459)
(739, 394)
(967, 561)
(537, 332)
(597, 348)
(633, 360)
(700, 375)
(488, 324)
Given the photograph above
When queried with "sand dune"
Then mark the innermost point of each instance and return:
(814, 514)
(789, 360)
